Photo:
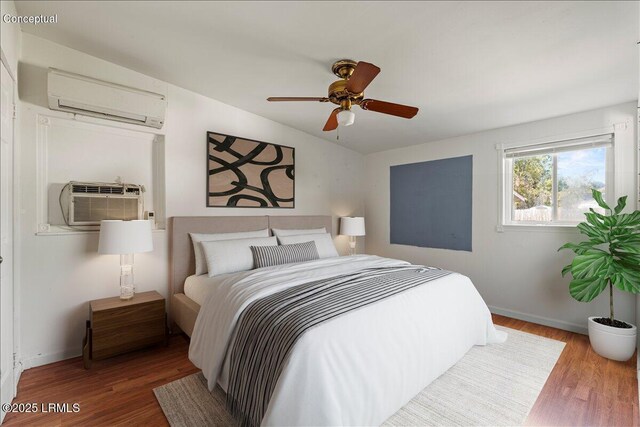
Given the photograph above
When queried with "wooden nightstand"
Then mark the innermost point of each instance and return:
(116, 326)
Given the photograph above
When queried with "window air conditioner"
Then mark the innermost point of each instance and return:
(90, 203)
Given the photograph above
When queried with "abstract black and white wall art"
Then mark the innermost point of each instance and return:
(249, 174)
(431, 204)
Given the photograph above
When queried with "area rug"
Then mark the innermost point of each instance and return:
(494, 385)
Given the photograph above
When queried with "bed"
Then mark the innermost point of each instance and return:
(357, 365)
(183, 310)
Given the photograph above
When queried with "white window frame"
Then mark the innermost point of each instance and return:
(505, 195)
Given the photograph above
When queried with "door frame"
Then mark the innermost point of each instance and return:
(17, 361)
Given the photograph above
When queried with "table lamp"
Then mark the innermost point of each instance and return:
(352, 226)
(125, 238)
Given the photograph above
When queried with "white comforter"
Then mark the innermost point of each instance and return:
(357, 369)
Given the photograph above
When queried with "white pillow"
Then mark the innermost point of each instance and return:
(324, 243)
(231, 256)
(282, 232)
(196, 238)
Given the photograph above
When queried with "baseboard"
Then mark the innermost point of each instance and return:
(7, 390)
(17, 373)
(554, 323)
(45, 359)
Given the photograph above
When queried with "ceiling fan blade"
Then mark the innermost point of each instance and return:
(332, 122)
(362, 76)
(295, 98)
(389, 108)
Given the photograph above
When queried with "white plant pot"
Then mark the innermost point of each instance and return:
(612, 343)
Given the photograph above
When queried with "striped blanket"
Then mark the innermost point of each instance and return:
(269, 327)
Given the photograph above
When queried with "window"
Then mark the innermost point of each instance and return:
(550, 184)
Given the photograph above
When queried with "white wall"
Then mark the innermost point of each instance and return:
(61, 273)
(517, 272)
(10, 37)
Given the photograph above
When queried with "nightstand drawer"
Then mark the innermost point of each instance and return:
(117, 326)
(125, 317)
(109, 342)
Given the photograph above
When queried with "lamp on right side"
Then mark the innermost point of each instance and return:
(352, 226)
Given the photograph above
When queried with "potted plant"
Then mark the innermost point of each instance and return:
(611, 257)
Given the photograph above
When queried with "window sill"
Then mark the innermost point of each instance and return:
(61, 231)
(545, 228)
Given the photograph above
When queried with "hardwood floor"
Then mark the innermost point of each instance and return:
(583, 389)
(114, 391)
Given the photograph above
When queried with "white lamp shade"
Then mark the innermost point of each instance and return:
(125, 237)
(352, 226)
(346, 117)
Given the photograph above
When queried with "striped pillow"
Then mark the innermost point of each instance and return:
(266, 256)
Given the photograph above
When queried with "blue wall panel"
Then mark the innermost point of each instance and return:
(431, 203)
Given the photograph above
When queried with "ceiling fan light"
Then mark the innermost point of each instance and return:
(346, 117)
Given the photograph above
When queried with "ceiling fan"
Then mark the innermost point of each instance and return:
(349, 90)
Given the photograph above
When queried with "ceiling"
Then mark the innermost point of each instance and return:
(468, 66)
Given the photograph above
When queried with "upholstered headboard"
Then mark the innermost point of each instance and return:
(182, 258)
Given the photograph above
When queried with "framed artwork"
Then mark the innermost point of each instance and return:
(243, 173)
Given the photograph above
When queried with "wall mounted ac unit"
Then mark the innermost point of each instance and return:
(91, 97)
(88, 203)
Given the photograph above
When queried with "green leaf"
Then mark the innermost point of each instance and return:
(587, 289)
(566, 269)
(626, 248)
(579, 248)
(599, 200)
(622, 202)
(598, 214)
(631, 261)
(593, 263)
(629, 244)
(598, 241)
(622, 247)
(595, 221)
(625, 233)
(631, 220)
(592, 232)
(626, 279)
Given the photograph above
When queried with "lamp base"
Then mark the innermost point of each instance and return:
(126, 294)
(127, 288)
(352, 245)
